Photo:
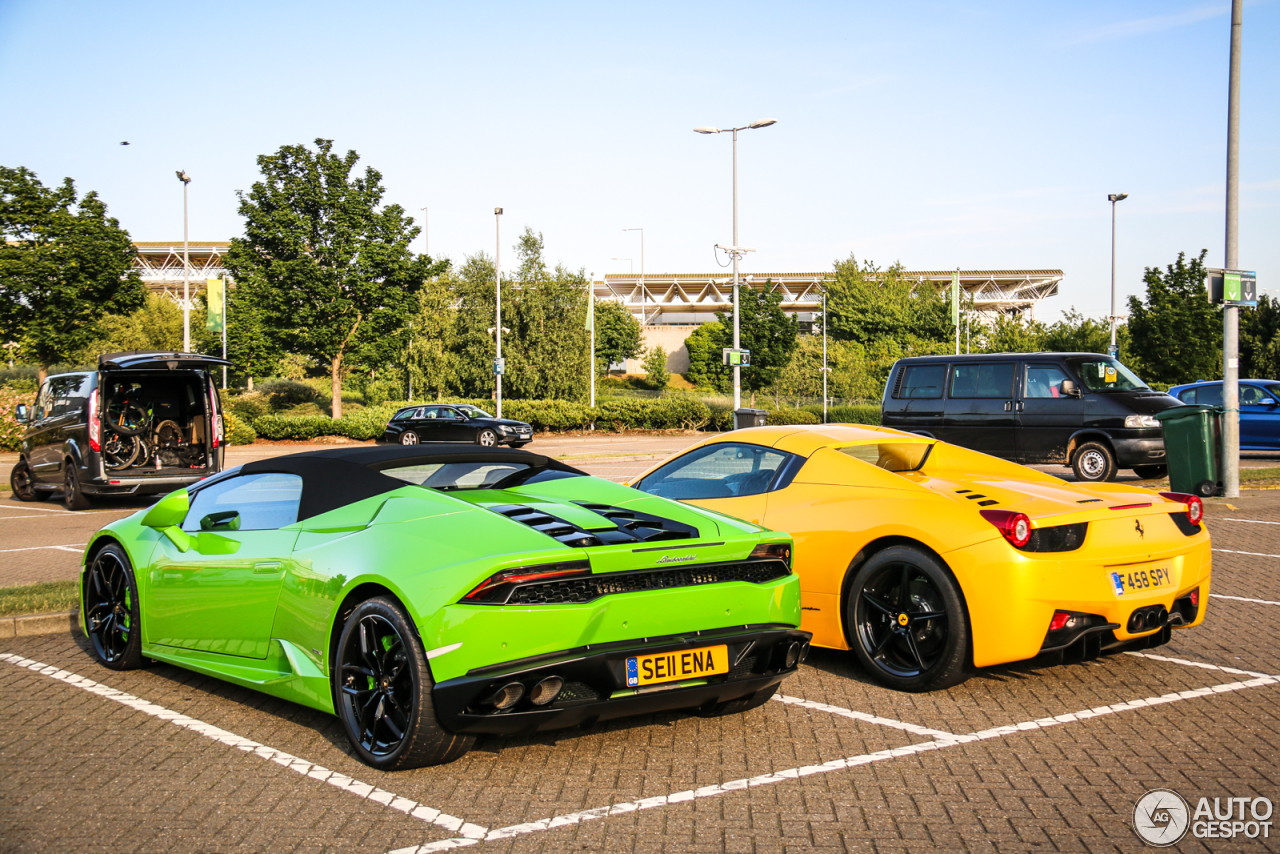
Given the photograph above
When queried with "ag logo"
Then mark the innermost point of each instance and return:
(903, 619)
(1137, 526)
(1161, 817)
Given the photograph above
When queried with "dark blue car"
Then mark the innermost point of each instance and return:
(1259, 409)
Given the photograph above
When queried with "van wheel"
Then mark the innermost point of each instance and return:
(1093, 462)
(72, 497)
(20, 482)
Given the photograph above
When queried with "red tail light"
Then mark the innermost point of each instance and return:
(95, 426)
(767, 551)
(1195, 507)
(215, 419)
(1059, 620)
(1016, 527)
(496, 587)
(1195, 598)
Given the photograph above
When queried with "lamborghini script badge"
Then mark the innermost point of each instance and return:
(670, 559)
(1137, 526)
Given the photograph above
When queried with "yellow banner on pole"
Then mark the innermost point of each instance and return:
(215, 295)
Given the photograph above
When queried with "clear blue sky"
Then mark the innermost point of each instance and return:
(972, 134)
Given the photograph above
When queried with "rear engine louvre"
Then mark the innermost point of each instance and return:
(630, 526)
(568, 584)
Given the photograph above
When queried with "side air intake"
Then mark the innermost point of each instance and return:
(629, 527)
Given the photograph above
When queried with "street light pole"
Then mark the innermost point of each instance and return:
(824, 355)
(736, 249)
(497, 271)
(186, 268)
(1113, 198)
(1231, 313)
(426, 240)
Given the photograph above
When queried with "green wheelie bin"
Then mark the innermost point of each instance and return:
(1193, 447)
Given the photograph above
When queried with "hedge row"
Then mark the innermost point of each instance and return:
(858, 413)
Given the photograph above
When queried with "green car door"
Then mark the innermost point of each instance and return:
(220, 594)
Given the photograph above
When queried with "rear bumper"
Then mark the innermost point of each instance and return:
(595, 681)
(138, 485)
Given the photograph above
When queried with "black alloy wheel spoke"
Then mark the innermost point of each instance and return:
(883, 644)
(396, 730)
(927, 615)
(360, 669)
(904, 587)
(915, 650)
(374, 657)
(877, 603)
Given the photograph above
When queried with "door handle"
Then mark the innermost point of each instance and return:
(267, 566)
(1008, 406)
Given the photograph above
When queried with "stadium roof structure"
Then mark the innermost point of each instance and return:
(159, 264)
(663, 297)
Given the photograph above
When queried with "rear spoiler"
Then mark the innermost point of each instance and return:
(151, 359)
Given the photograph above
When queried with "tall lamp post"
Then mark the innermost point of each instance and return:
(1231, 313)
(426, 241)
(736, 250)
(498, 366)
(186, 267)
(1113, 198)
(644, 295)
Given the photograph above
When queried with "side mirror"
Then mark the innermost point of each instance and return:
(21, 413)
(1267, 401)
(225, 520)
(167, 515)
(1070, 389)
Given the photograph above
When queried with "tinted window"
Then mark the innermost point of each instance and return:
(1044, 381)
(69, 393)
(1209, 395)
(922, 381)
(264, 501)
(723, 470)
(993, 379)
(1187, 395)
(44, 402)
(891, 456)
(404, 414)
(450, 476)
(1253, 395)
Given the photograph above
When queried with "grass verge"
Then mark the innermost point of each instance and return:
(43, 598)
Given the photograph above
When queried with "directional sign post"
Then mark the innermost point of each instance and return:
(736, 358)
(1233, 287)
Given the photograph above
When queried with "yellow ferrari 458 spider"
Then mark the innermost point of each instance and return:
(928, 559)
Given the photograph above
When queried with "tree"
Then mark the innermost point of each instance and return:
(1013, 335)
(655, 369)
(1176, 333)
(428, 357)
(1075, 333)
(764, 329)
(328, 265)
(618, 333)
(547, 356)
(706, 366)
(64, 266)
(1260, 339)
(253, 351)
(472, 346)
(866, 305)
(157, 325)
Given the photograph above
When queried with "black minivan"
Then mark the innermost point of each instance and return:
(1083, 409)
(142, 423)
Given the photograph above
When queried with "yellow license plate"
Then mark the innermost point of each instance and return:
(1143, 580)
(672, 666)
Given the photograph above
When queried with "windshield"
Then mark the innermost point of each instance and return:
(1104, 374)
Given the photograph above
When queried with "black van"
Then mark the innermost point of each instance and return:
(1085, 409)
(142, 423)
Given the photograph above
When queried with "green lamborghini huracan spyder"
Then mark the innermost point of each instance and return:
(425, 594)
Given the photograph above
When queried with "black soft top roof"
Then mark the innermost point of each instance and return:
(336, 477)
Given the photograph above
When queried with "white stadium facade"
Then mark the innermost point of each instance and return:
(669, 305)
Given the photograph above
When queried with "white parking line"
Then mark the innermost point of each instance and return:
(1251, 521)
(1253, 554)
(6, 518)
(834, 765)
(69, 548)
(1243, 599)
(1201, 664)
(293, 763)
(863, 716)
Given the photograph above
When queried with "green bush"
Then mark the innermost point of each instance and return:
(858, 413)
(549, 414)
(11, 432)
(276, 427)
(286, 394)
(791, 416)
(237, 431)
(664, 413)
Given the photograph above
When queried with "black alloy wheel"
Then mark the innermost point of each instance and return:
(72, 497)
(21, 483)
(487, 438)
(382, 691)
(408, 437)
(111, 612)
(907, 622)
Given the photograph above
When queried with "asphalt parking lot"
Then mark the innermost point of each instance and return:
(1022, 758)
